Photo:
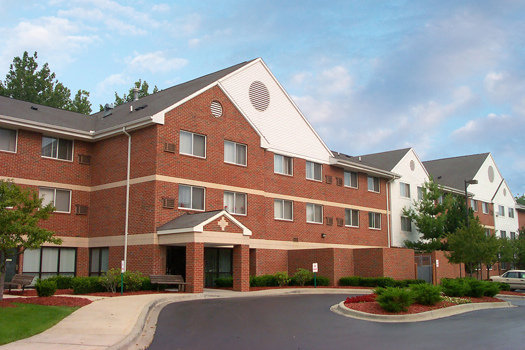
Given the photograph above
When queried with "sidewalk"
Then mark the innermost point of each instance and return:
(119, 322)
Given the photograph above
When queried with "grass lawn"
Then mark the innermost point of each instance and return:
(26, 320)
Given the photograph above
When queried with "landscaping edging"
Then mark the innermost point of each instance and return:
(341, 309)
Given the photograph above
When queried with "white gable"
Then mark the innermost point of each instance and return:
(283, 128)
(489, 180)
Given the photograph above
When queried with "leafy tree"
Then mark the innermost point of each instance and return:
(80, 103)
(520, 199)
(512, 251)
(143, 91)
(489, 249)
(21, 210)
(24, 82)
(466, 245)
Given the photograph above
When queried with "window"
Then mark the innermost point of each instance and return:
(57, 148)
(50, 261)
(314, 171)
(406, 224)
(419, 193)
(503, 234)
(192, 144)
(352, 217)
(61, 199)
(485, 207)
(314, 213)
(487, 232)
(511, 212)
(282, 164)
(405, 190)
(235, 203)
(234, 153)
(373, 184)
(374, 220)
(98, 261)
(7, 140)
(501, 210)
(351, 179)
(512, 235)
(191, 197)
(474, 204)
(283, 209)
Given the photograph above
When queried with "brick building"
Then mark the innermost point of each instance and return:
(218, 176)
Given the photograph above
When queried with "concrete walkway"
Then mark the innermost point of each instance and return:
(128, 322)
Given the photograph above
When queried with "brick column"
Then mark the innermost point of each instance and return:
(241, 268)
(195, 267)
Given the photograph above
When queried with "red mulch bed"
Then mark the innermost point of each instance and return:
(47, 301)
(374, 308)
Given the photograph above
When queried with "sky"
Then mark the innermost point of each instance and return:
(444, 77)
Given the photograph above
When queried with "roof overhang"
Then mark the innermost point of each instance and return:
(199, 227)
(363, 168)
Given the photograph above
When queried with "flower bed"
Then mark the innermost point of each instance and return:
(47, 301)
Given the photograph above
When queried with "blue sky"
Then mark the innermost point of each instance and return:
(444, 77)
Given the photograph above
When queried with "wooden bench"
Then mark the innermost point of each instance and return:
(175, 280)
(20, 281)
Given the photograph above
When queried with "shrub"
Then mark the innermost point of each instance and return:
(45, 288)
(110, 280)
(86, 285)
(63, 282)
(476, 288)
(354, 281)
(455, 287)
(395, 299)
(406, 283)
(282, 278)
(491, 289)
(426, 294)
(224, 282)
(502, 286)
(132, 281)
(263, 281)
(320, 280)
(147, 285)
(302, 276)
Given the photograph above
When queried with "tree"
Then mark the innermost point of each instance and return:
(489, 249)
(520, 199)
(80, 103)
(466, 245)
(21, 211)
(143, 91)
(24, 82)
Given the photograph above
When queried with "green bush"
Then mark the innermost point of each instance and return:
(491, 289)
(224, 282)
(455, 287)
(476, 288)
(147, 285)
(302, 276)
(502, 286)
(63, 282)
(395, 299)
(110, 280)
(282, 278)
(132, 281)
(353, 281)
(45, 288)
(358, 281)
(426, 294)
(320, 280)
(406, 283)
(263, 281)
(86, 285)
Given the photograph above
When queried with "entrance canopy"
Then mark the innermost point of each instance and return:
(213, 227)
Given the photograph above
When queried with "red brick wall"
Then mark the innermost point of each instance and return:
(368, 262)
(446, 269)
(241, 268)
(398, 263)
(306, 257)
(267, 261)
(195, 267)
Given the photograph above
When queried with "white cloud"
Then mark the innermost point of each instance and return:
(155, 62)
(161, 8)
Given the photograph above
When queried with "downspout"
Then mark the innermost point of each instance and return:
(388, 213)
(126, 226)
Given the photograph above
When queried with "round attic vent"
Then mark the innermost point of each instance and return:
(412, 165)
(259, 96)
(491, 174)
(216, 109)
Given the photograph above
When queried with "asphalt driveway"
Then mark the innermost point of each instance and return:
(306, 322)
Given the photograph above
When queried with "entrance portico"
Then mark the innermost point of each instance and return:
(217, 229)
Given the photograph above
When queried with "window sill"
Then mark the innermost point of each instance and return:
(314, 222)
(61, 160)
(192, 156)
(283, 174)
(285, 220)
(236, 164)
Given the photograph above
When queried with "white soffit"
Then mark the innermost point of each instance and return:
(279, 120)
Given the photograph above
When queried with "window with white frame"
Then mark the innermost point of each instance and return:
(419, 193)
(501, 211)
(8, 140)
(405, 190)
(512, 235)
(511, 212)
(191, 197)
(235, 203)
(374, 220)
(282, 164)
(61, 199)
(474, 204)
(373, 184)
(192, 144)
(352, 217)
(503, 234)
(350, 178)
(50, 261)
(53, 147)
(314, 213)
(487, 232)
(314, 171)
(283, 209)
(406, 224)
(234, 153)
(485, 207)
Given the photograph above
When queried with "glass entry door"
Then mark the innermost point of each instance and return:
(217, 263)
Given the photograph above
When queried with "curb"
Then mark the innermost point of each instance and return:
(341, 309)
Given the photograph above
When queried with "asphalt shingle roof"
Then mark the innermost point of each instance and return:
(453, 172)
(188, 220)
(384, 160)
